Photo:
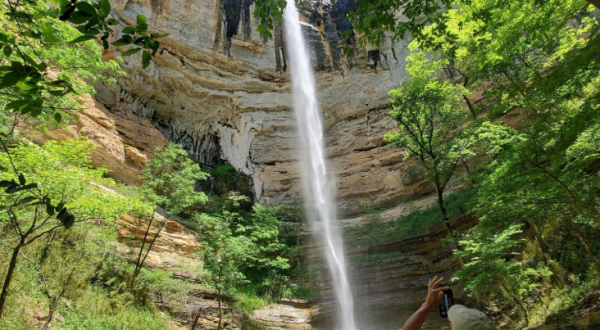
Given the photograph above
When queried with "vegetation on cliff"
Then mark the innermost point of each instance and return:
(527, 152)
(534, 183)
(61, 262)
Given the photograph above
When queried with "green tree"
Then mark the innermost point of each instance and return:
(429, 20)
(429, 115)
(224, 255)
(60, 172)
(62, 270)
(265, 265)
(168, 182)
(36, 39)
(487, 254)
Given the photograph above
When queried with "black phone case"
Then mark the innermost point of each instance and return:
(447, 302)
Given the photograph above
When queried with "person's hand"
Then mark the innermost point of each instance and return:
(434, 292)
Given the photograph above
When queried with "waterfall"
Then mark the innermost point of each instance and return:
(318, 186)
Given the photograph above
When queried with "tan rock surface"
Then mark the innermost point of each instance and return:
(122, 153)
(230, 99)
(174, 248)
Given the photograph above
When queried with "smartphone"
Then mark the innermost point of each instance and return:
(447, 302)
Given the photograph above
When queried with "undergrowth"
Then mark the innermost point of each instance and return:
(414, 222)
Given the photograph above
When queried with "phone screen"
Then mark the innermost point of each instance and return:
(447, 302)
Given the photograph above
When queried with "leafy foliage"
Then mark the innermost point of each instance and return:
(169, 179)
(412, 223)
(61, 172)
(36, 40)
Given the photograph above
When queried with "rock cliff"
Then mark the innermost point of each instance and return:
(124, 141)
(223, 92)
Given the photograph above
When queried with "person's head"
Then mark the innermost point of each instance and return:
(463, 318)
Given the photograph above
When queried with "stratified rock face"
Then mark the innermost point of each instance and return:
(124, 142)
(221, 91)
(389, 279)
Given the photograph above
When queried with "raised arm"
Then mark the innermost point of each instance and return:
(434, 297)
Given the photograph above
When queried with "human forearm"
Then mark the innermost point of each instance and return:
(415, 321)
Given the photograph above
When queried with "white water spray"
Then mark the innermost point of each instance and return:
(318, 187)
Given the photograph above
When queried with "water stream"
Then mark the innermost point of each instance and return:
(319, 187)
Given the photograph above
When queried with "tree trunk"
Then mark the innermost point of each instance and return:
(471, 108)
(440, 201)
(51, 313)
(195, 320)
(462, 159)
(220, 312)
(517, 300)
(9, 274)
(577, 231)
(137, 262)
(141, 263)
(596, 3)
(58, 296)
(539, 237)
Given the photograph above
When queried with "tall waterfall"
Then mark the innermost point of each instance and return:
(318, 186)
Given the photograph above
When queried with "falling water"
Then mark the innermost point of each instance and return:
(318, 186)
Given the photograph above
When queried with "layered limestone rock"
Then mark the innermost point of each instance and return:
(386, 291)
(124, 142)
(220, 90)
(224, 93)
(390, 278)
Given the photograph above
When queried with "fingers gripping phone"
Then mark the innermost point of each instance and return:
(447, 302)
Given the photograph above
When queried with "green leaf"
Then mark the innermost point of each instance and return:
(57, 117)
(7, 50)
(25, 200)
(62, 213)
(112, 21)
(20, 14)
(141, 28)
(22, 179)
(47, 29)
(35, 111)
(131, 52)
(121, 42)
(158, 35)
(140, 19)
(10, 79)
(16, 105)
(82, 39)
(50, 40)
(146, 59)
(6, 183)
(128, 30)
(12, 190)
(49, 208)
(79, 17)
(69, 221)
(86, 8)
(32, 62)
(106, 5)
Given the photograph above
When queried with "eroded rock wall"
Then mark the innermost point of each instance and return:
(223, 92)
(124, 141)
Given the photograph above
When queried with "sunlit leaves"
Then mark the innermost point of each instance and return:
(268, 13)
(169, 179)
(45, 43)
(429, 114)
